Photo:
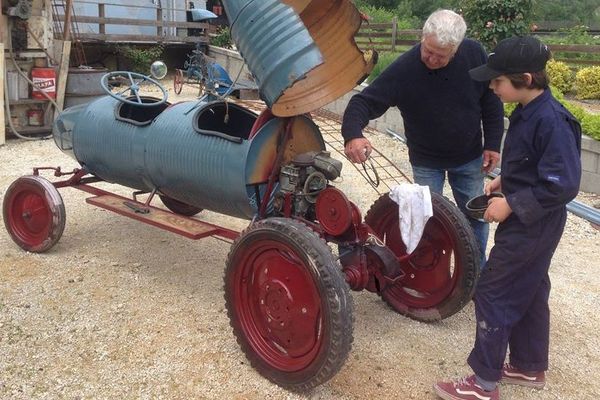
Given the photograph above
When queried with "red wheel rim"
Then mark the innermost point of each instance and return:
(30, 217)
(178, 81)
(278, 305)
(431, 272)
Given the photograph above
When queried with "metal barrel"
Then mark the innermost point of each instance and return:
(182, 152)
(83, 86)
(302, 53)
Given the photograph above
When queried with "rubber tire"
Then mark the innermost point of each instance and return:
(466, 251)
(23, 235)
(178, 81)
(178, 207)
(336, 303)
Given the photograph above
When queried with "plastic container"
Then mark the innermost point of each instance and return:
(35, 117)
(44, 80)
(12, 80)
(23, 87)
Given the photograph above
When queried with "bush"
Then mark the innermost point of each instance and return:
(382, 15)
(140, 58)
(385, 59)
(587, 81)
(222, 38)
(561, 76)
(490, 21)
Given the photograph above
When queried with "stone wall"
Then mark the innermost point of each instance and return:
(590, 163)
(590, 148)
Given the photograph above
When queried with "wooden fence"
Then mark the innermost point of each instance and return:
(386, 37)
(95, 28)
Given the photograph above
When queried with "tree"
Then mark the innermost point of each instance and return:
(570, 12)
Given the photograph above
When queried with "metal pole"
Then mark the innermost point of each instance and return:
(67, 26)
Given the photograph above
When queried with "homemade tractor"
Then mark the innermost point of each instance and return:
(288, 274)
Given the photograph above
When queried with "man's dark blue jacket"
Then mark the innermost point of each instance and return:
(443, 110)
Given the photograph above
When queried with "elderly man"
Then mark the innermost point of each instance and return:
(443, 110)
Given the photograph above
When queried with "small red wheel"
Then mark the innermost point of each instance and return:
(288, 303)
(34, 213)
(334, 211)
(441, 274)
(178, 81)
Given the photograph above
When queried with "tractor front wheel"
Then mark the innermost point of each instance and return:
(288, 303)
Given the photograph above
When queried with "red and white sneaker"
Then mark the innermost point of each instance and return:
(464, 389)
(514, 376)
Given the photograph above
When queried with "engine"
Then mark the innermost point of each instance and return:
(302, 180)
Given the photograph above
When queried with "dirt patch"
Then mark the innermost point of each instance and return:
(118, 309)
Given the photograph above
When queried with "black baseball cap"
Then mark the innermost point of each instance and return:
(514, 55)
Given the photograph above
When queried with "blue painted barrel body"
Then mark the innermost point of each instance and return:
(178, 151)
(303, 55)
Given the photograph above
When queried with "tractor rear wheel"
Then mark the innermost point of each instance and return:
(441, 274)
(34, 213)
(288, 303)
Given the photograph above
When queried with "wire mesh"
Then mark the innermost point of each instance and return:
(379, 171)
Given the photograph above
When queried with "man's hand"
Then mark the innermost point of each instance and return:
(498, 210)
(358, 150)
(490, 160)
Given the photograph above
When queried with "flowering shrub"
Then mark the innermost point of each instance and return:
(490, 21)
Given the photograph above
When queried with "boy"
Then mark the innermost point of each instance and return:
(541, 170)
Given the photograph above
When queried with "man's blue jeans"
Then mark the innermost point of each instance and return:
(466, 182)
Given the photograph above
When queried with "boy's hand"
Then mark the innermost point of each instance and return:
(498, 210)
(493, 186)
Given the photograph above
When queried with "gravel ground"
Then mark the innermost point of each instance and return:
(120, 310)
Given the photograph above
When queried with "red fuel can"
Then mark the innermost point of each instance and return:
(44, 80)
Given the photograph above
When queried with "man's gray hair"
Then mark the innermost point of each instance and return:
(448, 27)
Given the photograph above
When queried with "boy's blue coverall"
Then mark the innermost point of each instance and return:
(541, 170)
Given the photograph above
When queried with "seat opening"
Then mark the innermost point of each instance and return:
(225, 119)
(140, 114)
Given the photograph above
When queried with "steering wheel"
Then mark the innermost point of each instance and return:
(133, 87)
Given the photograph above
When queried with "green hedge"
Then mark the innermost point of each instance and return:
(590, 123)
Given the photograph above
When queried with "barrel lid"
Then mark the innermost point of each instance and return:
(306, 57)
(87, 70)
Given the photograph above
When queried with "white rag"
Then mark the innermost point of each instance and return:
(414, 209)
